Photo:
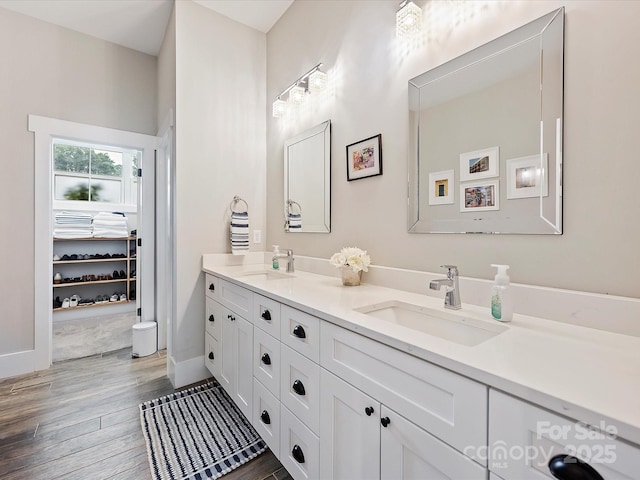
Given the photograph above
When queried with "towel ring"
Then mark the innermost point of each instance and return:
(291, 204)
(236, 200)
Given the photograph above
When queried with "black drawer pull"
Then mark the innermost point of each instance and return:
(385, 421)
(368, 411)
(211, 318)
(210, 355)
(297, 454)
(266, 315)
(566, 467)
(264, 416)
(298, 387)
(212, 287)
(231, 317)
(299, 332)
(266, 359)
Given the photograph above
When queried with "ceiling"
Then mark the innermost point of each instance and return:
(140, 24)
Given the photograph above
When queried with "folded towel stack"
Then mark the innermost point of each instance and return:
(110, 225)
(239, 233)
(295, 221)
(72, 225)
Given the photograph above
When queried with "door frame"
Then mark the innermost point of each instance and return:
(45, 130)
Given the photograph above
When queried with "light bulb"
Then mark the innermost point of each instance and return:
(279, 108)
(296, 95)
(317, 81)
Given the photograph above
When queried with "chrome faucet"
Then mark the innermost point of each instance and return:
(452, 297)
(290, 259)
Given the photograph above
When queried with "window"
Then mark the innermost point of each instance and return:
(88, 176)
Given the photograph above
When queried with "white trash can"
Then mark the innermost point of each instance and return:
(144, 339)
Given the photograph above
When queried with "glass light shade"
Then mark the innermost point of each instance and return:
(317, 82)
(408, 20)
(279, 108)
(296, 95)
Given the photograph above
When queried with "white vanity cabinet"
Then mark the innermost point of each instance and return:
(524, 437)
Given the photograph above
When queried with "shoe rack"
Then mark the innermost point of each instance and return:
(88, 268)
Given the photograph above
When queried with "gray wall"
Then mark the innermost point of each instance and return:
(55, 72)
(369, 69)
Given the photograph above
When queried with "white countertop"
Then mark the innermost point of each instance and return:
(586, 374)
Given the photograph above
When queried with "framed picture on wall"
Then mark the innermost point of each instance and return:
(364, 158)
(480, 164)
(441, 187)
(480, 196)
(527, 177)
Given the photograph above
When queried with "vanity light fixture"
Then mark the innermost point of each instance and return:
(408, 20)
(314, 81)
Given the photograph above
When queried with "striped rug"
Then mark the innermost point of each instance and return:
(197, 434)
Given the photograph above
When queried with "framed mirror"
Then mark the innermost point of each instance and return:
(485, 152)
(307, 181)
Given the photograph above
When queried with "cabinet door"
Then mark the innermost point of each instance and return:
(266, 315)
(349, 431)
(300, 387)
(213, 317)
(266, 360)
(299, 447)
(266, 416)
(228, 352)
(235, 298)
(212, 355)
(243, 393)
(408, 452)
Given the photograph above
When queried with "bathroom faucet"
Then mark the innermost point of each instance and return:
(290, 259)
(452, 297)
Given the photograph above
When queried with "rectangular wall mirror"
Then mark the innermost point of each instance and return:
(307, 180)
(485, 152)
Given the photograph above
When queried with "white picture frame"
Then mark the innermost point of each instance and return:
(441, 186)
(480, 196)
(480, 164)
(527, 177)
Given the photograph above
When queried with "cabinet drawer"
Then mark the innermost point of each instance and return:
(301, 332)
(213, 318)
(212, 355)
(235, 298)
(300, 387)
(266, 360)
(451, 407)
(211, 289)
(266, 416)
(524, 437)
(299, 447)
(266, 315)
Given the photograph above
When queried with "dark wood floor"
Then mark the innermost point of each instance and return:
(79, 419)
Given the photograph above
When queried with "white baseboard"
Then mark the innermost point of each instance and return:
(18, 363)
(187, 372)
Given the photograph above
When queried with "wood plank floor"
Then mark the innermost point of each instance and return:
(79, 419)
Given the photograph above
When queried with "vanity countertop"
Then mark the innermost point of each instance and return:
(583, 373)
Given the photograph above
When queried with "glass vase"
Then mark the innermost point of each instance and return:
(350, 278)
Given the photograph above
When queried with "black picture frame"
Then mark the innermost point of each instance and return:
(364, 158)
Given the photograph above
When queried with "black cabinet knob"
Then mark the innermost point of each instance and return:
(264, 416)
(211, 319)
(297, 454)
(368, 411)
(266, 315)
(298, 387)
(385, 421)
(212, 287)
(299, 332)
(266, 359)
(566, 467)
(231, 317)
(210, 355)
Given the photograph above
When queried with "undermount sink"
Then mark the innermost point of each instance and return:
(454, 327)
(266, 275)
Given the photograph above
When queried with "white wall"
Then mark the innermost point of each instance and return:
(356, 41)
(220, 151)
(54, 72)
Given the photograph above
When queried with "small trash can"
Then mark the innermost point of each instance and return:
(144, 339)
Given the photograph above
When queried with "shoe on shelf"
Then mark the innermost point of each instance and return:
(132, 294)
(57, 278)
(65, 303)
(123, 297)
(57, 303)
(121, 274)
(65, 257)
(73, 301)
(56, 258)
(85, 256)
(115, 274)
(133, 274)
(114, 298)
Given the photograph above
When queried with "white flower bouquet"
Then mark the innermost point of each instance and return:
(352, 257)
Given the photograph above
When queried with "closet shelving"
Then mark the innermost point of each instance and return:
(126, 247)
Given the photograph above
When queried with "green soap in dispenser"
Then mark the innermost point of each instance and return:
(275, 260)
(501, 301)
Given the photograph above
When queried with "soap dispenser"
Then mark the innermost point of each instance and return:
(275, 261)
(501, 301)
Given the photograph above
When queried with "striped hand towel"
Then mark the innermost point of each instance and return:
(239, 233)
